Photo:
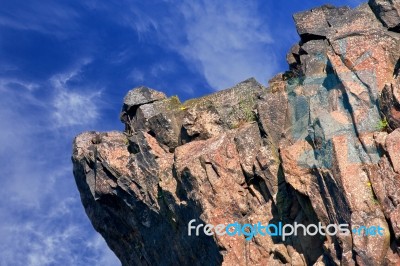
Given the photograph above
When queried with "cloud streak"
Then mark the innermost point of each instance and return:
(53, 236)
(226, 42)
(43, 221)
(60, 18)
(73, 108)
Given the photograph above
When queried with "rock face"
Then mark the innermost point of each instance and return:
(320, 144)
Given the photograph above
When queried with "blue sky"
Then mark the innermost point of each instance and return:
(65, 67)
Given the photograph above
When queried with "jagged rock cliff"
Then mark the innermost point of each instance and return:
(320, 144)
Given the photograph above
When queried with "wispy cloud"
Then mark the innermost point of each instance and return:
(43, 221)
(60, 18)
(74, 107)
(23, 117)
(137, 75)
(152, 72)
(227, 42)
(17, 84)
(53, 236)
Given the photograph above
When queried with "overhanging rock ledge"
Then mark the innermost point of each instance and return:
(321, 144)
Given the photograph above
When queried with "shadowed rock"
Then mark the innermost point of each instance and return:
(388, 12)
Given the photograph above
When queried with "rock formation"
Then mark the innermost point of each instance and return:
(320, 144)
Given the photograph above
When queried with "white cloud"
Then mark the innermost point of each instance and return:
(12, 82)
(71, 107)
(53, 240)
(21, 173)
(162, 67)
(226, 41)
(43, 221)
(74, 108)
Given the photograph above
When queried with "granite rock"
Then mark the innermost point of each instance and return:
(319, 144)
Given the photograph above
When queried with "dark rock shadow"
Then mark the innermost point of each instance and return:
(153, 236)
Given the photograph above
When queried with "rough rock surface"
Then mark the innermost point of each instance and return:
(321, 144)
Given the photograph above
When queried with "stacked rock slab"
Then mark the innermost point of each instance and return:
(319, 144)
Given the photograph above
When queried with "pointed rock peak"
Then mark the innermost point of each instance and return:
(142, 95)
(251, 81)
